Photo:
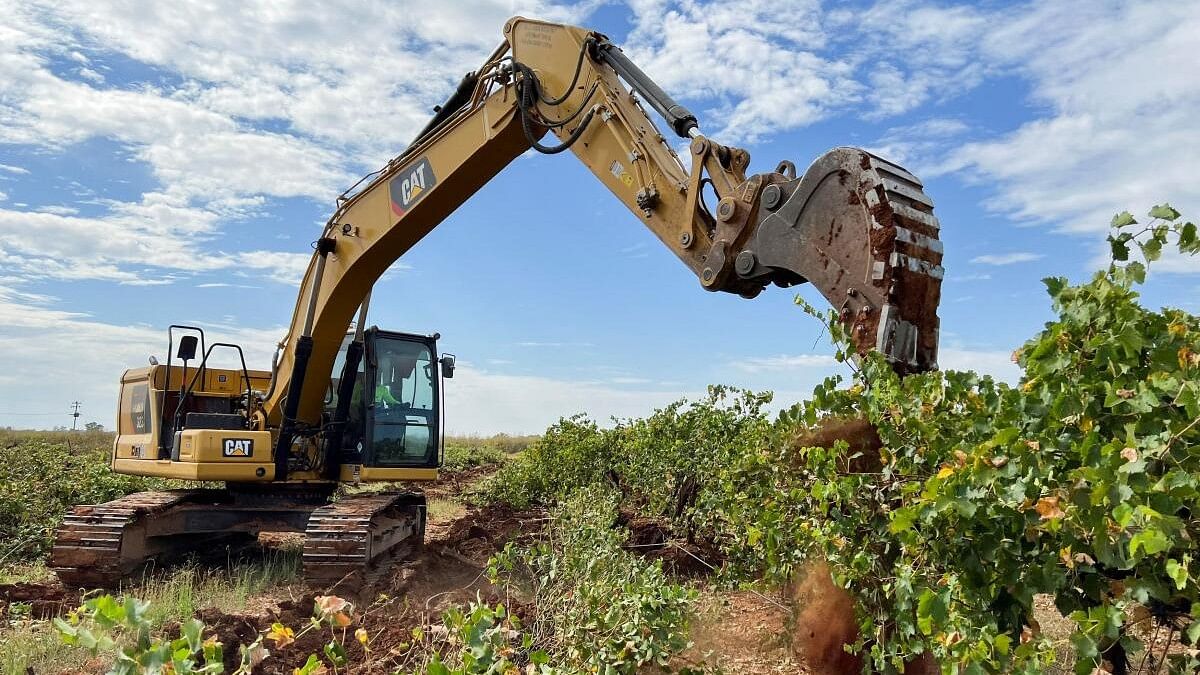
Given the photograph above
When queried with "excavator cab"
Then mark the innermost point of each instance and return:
(394, 416)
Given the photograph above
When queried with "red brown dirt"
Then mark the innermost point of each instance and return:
(824, 612)
(824, 622)
(860, 436)
(652, 538)
(742, 633)
(448, 571)
(45, 599)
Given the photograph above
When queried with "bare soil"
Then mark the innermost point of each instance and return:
(448, 571)
(46, 599)
(742, 633)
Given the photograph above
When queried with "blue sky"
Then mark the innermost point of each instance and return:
(168, 163)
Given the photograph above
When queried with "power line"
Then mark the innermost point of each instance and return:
(75, 415)
(27, 413)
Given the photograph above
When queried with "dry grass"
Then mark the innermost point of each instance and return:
(509, 445)
(174, 596)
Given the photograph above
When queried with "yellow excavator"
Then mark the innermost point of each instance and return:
(342, 403)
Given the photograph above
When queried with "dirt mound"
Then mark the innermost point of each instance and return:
(447, 571)
(690, 561)
(231, 629)
(482, 531)
(455, 484)
(45, 599)
(861, 437)
(824, 622)
(644, 533)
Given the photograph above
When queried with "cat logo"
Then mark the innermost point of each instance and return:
(408, 186)
(238, 447)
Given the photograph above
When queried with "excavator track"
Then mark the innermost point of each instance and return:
(349, 544)
(99, 545)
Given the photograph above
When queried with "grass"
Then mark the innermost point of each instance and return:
(506, 444)
(33, 646)
(440, 510)
(178, 594)
(466, 452)
(26, 572)
(174, 597)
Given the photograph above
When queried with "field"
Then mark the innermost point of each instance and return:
(937, 522)
(244, 596)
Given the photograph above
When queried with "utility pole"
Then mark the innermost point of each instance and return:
(75, 414)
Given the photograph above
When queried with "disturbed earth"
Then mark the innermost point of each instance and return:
(737, 631)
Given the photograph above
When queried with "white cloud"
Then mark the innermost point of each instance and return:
(784, 362)
(227, 123)
(402, 59)
(1174, 262)
(90, 75)
(58, 356)
(478, 401)
(284, 268)
(151, 242)
(1118, 85)
(998, 364)
(912, 52)
(1006, 258)
(754, 63)
(919, 147)
(630, 380)
(334, 113)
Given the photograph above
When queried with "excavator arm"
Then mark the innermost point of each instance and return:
(858, 228)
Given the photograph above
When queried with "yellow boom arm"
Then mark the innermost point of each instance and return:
(859, 228)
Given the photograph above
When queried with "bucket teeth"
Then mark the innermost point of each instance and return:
(862, 231)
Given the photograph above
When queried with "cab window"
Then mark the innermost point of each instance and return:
(405, 429)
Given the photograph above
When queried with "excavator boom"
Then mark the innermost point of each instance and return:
(857, 227)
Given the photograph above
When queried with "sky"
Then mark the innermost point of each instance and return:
(172, 162)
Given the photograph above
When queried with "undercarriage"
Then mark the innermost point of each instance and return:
(347, 543)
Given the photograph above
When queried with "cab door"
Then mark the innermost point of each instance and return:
(403, 394)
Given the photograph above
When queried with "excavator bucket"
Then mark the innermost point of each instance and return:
(862, 231)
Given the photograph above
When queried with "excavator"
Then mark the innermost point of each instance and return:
(345, 404)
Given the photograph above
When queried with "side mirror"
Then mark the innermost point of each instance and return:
(447, 362)
(187, 348)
